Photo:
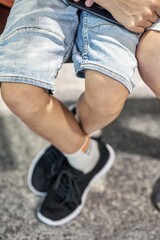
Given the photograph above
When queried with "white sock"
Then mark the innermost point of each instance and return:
(86, 157)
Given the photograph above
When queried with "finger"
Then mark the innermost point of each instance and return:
(158, 12)
(136, 29)
(89, 3)
(154, 18)
(146, 24)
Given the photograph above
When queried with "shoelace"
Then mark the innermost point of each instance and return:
(66, 187)
(53, 166)
(54, 169)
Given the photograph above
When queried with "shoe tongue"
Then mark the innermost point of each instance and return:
(65, 182)
(74, 171)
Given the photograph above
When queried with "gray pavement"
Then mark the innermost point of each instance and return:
(119, 205)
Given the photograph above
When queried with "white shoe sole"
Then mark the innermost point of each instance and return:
(78, 210)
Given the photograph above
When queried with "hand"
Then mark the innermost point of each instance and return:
(135, 15)
(88, 3)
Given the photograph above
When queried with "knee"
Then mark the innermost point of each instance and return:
(108, 106)
(148, 60)
(106, 98)
(12, 100)
(22, 100)
(148, 53)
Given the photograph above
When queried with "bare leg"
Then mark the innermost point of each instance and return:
(148, 55)
(101, 102)
(98, 106)
(44, 114)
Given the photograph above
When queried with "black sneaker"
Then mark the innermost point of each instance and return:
(157, 200)
(46, 166)
(67, 196)
(155, 196)
(45, 169)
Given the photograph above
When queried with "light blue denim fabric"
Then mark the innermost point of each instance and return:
(155, 26)
(107, 48)
(39, 37)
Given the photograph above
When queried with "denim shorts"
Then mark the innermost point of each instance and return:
(155, 26)
(40, 35)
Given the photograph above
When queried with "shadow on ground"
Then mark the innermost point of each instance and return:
(118, 206)
(137, 130)
(7, 158)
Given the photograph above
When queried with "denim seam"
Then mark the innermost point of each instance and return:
(103, 70)
(104, 24)
(69, 49)
(25, 78)
(85, 36)
(25, 28)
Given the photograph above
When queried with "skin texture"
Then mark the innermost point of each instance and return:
(134, 15)
(98, 106)
(148, 60)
